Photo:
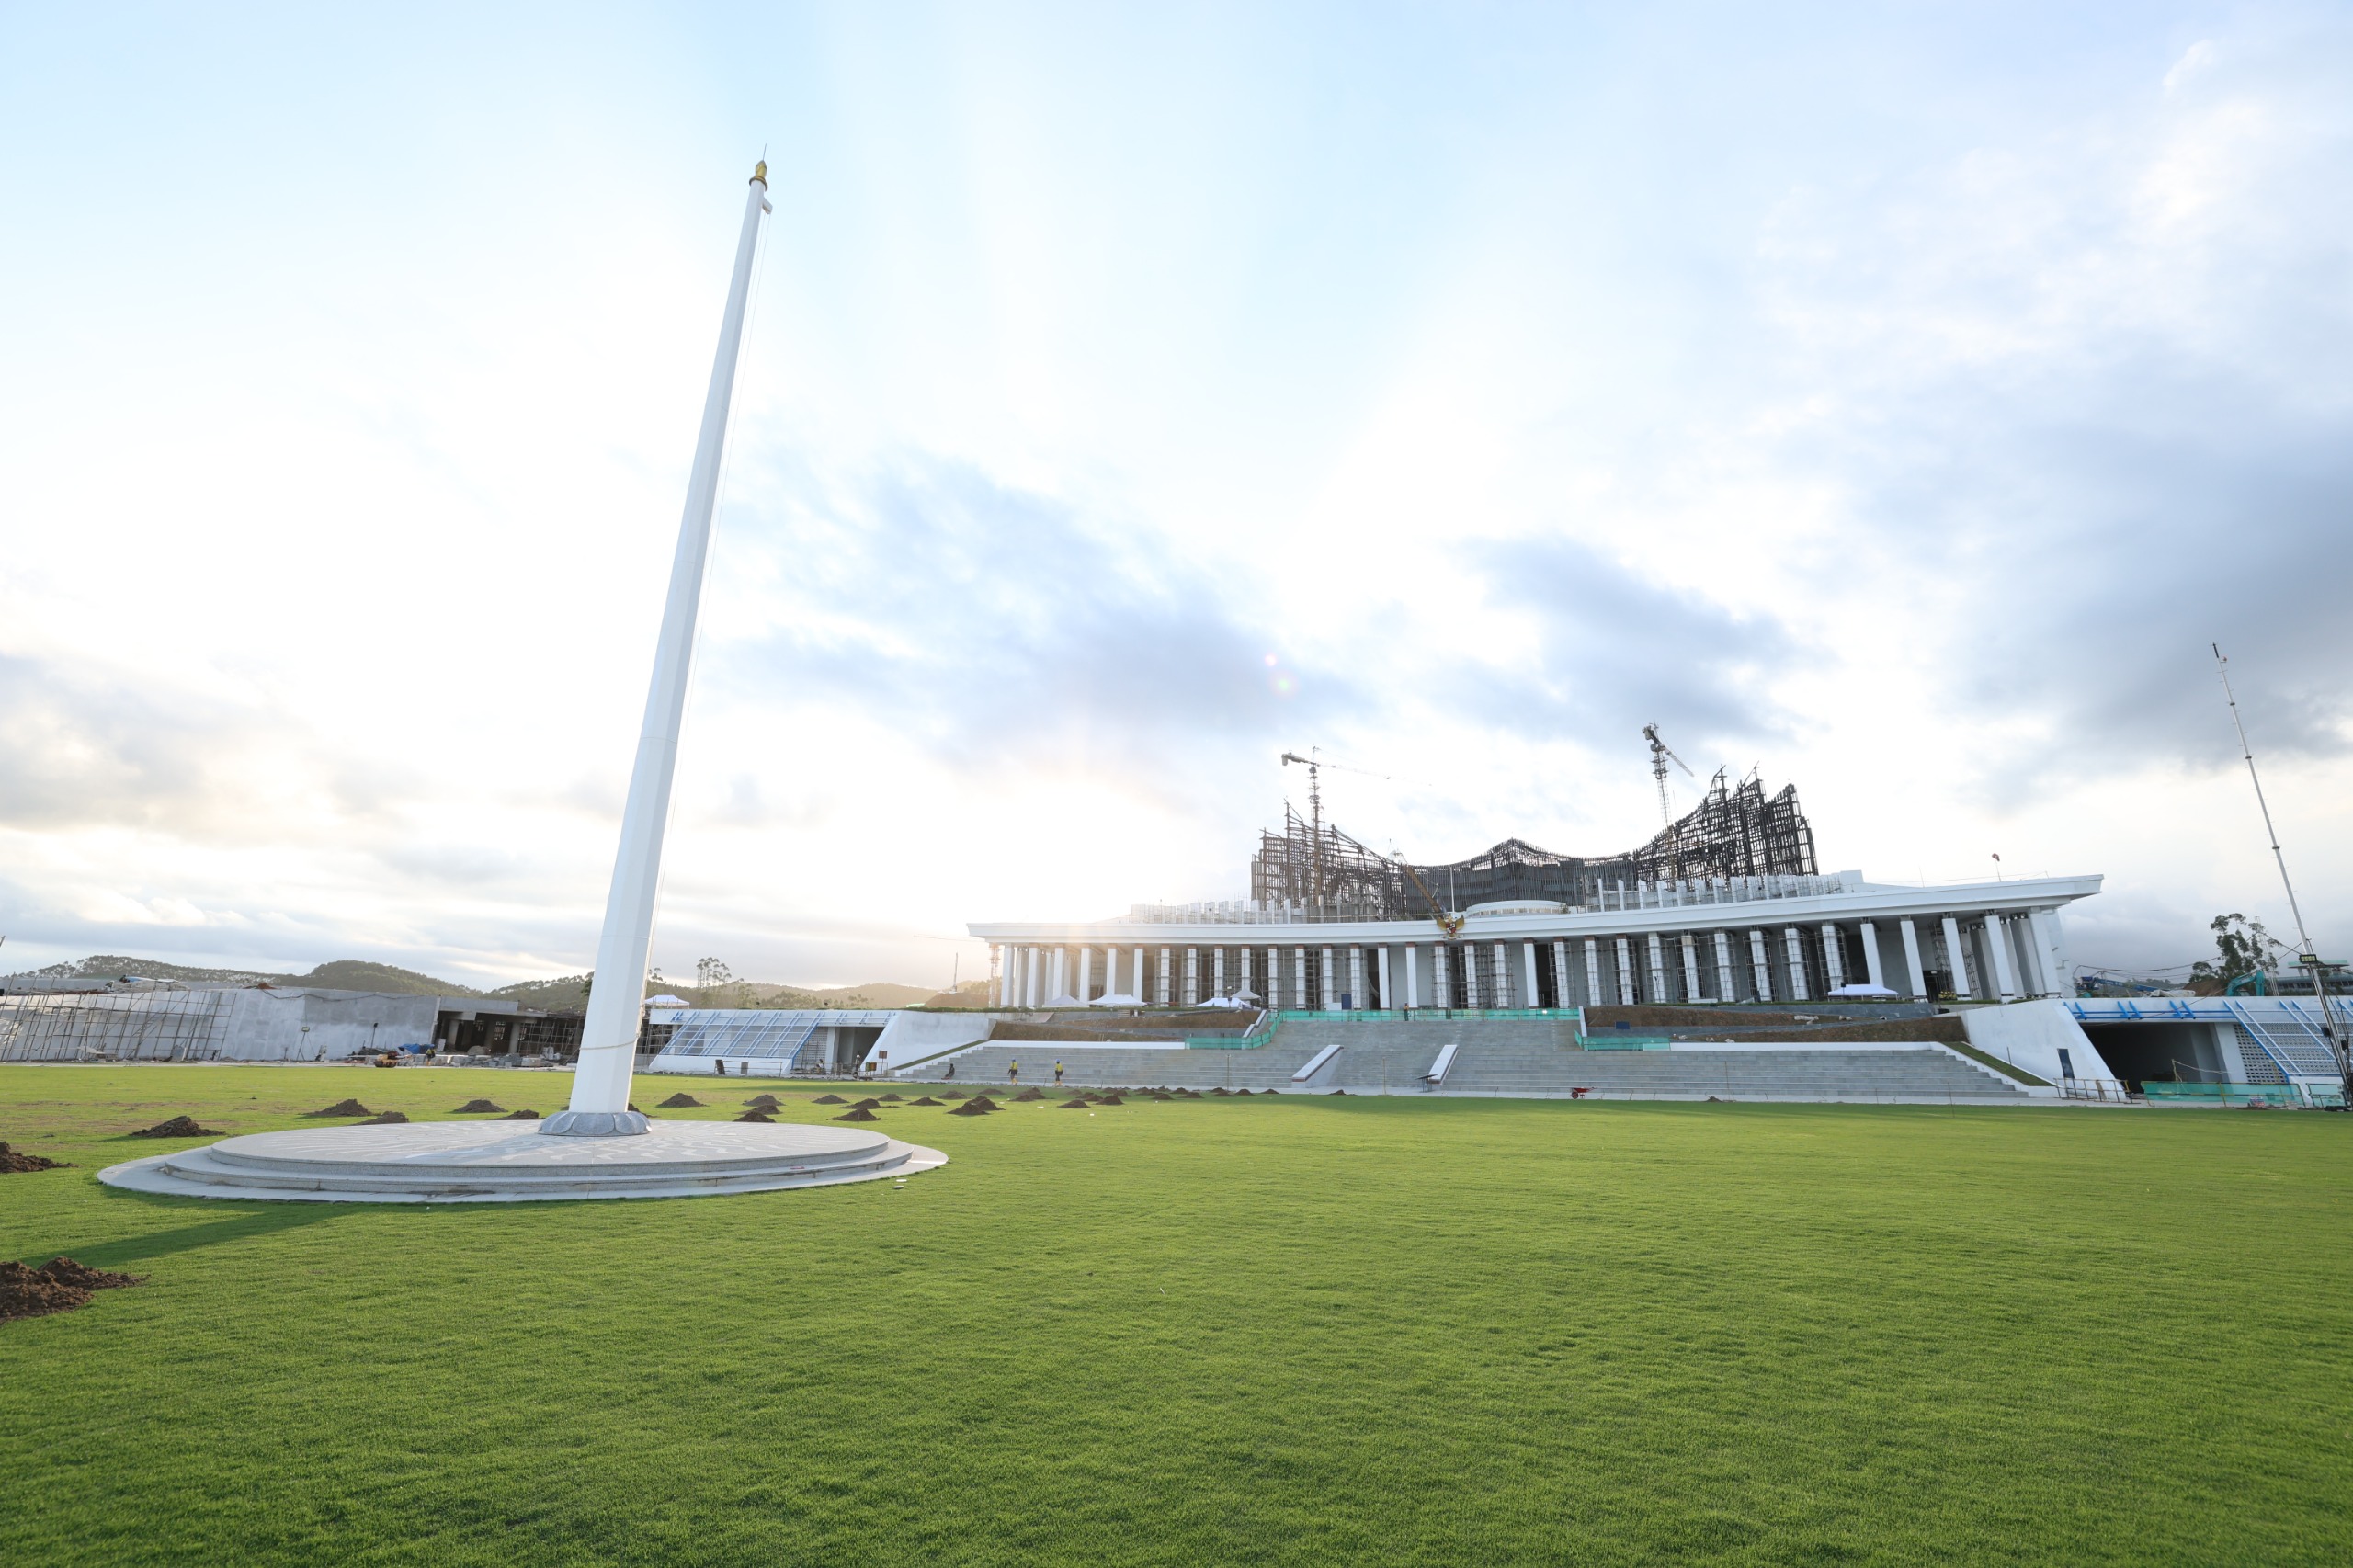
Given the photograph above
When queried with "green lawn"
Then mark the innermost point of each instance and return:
(1300, 1330)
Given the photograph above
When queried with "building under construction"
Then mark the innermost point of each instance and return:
(1737, 831)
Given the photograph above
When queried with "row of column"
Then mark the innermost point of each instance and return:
(1988, 957)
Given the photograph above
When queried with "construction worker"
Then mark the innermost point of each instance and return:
(1013, 1070)
(1058, 1072)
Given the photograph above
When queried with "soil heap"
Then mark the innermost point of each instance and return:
(472, 1107)
(182, 1126)
(769, 1102)
(58, 1286)
(389, 1119)
(678, 1102)
(756, 1115)
(342, 1108)
(521, 1115)
(11, 1160)
(858, 1113)
(828, 1099)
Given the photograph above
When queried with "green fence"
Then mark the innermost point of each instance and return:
(1624, 1042)
(1265, 1035)
(2281, 1095)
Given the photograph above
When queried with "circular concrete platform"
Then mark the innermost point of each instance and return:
(471, 1162)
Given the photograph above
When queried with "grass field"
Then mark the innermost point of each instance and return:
(1297, 1330)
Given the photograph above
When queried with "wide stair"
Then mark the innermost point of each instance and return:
(1532, 1058)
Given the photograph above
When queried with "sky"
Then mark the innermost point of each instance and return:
(1897, 400)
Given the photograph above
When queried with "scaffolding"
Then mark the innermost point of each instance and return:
(155, 1026)
(1736, 833)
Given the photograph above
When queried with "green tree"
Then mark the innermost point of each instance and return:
(2239, 948)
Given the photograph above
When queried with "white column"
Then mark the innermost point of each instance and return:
(1870, 954)
(996, 975)
(1691, 992)
(1997, 936)
(1299, 973)
(1502, 987)
(1242, 973)
(1725, 983)
(1137, 989)
(1561, 974)
(1535, 994)
(1592, 973)
(1327, 993)
(1912, 966)
(1764, 970)
(2049, 958)
(1086, 991)
(599, 1103)
(1355, 977)
(1625, 972)
(1834, 962)
(1167, 975)
(1659, 992)
(1380, 965)
(1217, 980)
(1473, 992)
(1111, 971)
(1957, 957)
(1798, 991)
(1061, 974)
(1412, 981)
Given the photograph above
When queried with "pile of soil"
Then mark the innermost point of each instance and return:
(58, 1286)
(390, 1118)
(1110, 1099)
(1219, 1093)
(1339, 1091)
(769, 1102)
(179, 1127)
(521, 1115)
(756, 1115)
(858, 1113)
(925, 1101)
(892, 1096)
(342, 1108)
(975, 1108)
(1188, 1094)
(678, 1102)
(951, 1094)
(81, 1276)
(981, 1102)
(1164, 1096)
(472, 1108)
(1079, 1104)
(867, 1105)
(10, 1160)
(1029, 1094)
(825, 1099)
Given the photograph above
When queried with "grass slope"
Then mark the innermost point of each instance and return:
(1355, 1330)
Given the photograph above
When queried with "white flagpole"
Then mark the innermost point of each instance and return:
(608, 1038)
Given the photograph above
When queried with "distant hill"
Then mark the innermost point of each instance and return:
(565, 993)
(343, 974)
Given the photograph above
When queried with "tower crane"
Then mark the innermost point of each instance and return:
(1660, 757)
(1314, 764)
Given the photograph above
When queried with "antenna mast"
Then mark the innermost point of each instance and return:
(2308, 956)
(1315, 825)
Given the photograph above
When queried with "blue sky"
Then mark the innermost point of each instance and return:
(1896, 401)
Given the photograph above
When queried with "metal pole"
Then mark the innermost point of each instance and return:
(599, 1107)
(2311, 956)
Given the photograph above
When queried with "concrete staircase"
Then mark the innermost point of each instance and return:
(1529, 1058)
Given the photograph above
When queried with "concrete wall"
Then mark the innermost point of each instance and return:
(912, 1036)
(2030, 1034)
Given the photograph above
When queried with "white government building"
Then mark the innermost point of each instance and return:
(1724, 905)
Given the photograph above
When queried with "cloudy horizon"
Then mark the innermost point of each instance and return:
(1899, 405)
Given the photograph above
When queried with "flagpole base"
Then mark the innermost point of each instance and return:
(595, 1124)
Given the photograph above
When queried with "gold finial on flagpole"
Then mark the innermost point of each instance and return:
(760, 172)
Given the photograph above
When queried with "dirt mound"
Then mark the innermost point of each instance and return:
(390, 1118)
(981, 1102)
(180, 1126)
(756, 1115)
(1110, 1099)
(892, 1096)
(925, 1101)
(1219, 1093)
(1073, 1105)
(521, 1115)
(1339, 1091)
(858, 1113)
(1164, 1096)
(975, 1109)
(1029, 1094)
(81, 1276)
(951, 1094)
(829, 1099)
(30, 1293)
(769, 1102)
(342, 1108)
(867, 1105)
(11, 1160)
(478, 1108)
(680, 1102)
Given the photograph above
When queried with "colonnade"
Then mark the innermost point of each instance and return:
(2001, 955)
